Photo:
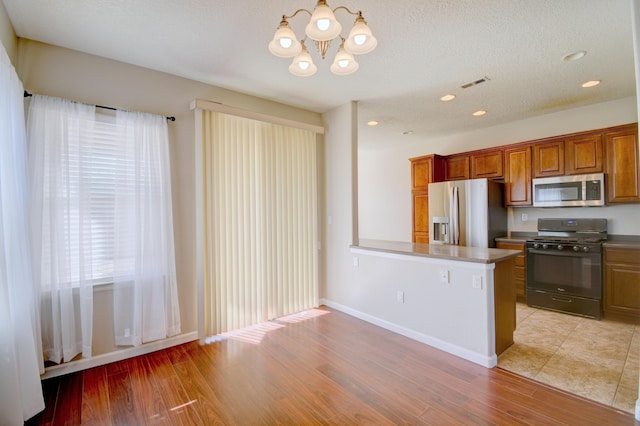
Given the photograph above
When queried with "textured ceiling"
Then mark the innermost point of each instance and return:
(426, 48)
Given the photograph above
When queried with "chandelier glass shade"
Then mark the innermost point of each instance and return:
(322, 29)
(284, 43)
(344, 63)
(302, 64)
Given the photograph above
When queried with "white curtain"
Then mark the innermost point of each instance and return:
(102, 216)
(20, 360)
(257, 221)
(59, 134)
(145, 295)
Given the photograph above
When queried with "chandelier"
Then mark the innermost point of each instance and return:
(322, 29)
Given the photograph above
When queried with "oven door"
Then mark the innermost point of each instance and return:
(565, 272)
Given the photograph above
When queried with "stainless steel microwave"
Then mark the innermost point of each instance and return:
(569, 191)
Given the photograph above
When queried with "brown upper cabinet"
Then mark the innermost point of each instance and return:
(487, 164)
(614, 151)
(424, 170)
(456, 167)
(548, 159)
(517, 176)
(584, 154)
(622, 174)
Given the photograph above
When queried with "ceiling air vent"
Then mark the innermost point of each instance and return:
(475, 83)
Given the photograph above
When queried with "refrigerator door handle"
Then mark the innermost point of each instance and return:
(454, 227)
(452, 224)
(456, 214)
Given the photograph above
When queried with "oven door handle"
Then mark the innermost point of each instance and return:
(560, 299)
(562, 253)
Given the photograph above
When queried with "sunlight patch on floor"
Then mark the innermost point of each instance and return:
(302, 316)
(255, 333)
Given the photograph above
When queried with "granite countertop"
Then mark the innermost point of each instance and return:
(440, 251)
(623, 241)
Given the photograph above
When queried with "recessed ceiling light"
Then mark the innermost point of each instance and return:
(407, 132)
(480, 113)
(372, 123)
(574, 56)
(591, 83)
(447, 98)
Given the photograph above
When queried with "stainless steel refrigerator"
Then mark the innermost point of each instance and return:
(467, 212)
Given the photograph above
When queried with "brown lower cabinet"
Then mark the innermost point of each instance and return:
(421, 217)
(504, 300)
(520, 269)
(622, 283)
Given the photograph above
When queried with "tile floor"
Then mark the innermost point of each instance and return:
(598, 360)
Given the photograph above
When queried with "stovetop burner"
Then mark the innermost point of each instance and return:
(567, 240)
(571, 231)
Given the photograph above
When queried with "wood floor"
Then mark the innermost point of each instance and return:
(322, 368)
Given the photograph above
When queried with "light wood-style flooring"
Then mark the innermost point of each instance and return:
(323, 367)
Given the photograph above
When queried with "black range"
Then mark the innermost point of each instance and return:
(564, 266)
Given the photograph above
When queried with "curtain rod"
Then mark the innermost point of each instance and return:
(27, 95)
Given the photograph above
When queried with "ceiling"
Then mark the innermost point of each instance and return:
(426, 49)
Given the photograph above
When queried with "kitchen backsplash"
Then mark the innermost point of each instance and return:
(622, 219)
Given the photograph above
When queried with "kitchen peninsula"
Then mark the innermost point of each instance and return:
(457, 299)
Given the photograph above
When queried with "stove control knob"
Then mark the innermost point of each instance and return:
(545, 246)
(536, 245)
(560, 247)
(585, 249)
(576, 248)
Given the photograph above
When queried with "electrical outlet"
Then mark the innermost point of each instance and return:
(444, 276)
(356, 261)
(400, 296)
(525, 217)
(477, 282)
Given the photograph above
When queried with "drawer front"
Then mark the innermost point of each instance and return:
(578, 305)
(621, 255)
(510, 246)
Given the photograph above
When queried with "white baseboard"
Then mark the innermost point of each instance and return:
(456, 350)
(119, 355)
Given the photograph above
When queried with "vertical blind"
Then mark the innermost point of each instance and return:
(258, 218)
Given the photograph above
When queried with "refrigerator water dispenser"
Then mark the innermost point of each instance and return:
(440, 229)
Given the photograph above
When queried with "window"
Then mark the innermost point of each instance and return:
(99, 178)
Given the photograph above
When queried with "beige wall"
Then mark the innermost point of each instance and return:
(55, 71)
(340, 220)
(8, 35)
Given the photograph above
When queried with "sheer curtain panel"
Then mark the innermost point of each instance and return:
(257, 221)
(145, 289)
(20, 351)
(59, 135)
